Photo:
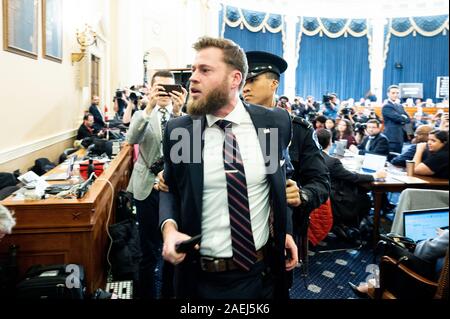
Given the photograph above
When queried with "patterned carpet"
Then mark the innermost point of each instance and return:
(329, 274)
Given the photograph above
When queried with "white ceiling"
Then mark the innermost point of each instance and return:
(345, 8)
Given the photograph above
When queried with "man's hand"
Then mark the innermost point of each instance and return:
(292, 252)
(421, 147)
(162, 183)
(292, 193)
(354, 149)
(156, 91)
(178, 100)
(171, 237)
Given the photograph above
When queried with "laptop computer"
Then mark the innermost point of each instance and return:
(372, 163)
(341, 145)
(422, 224)
(65, 175)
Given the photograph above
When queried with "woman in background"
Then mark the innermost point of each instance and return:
(433, 160)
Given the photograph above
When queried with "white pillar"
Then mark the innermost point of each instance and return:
(289, 55)
(377, 58)
(129, 42)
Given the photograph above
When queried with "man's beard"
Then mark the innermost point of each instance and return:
(211, 103)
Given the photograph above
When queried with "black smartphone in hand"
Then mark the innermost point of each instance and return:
(172, 87)
(188, 245)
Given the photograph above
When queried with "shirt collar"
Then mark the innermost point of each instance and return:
(169, 108)
(234, 116)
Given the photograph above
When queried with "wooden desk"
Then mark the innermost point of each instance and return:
(410, 110)
(69, 231)
(393, 185)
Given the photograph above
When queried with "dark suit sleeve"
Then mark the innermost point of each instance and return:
(338, 172)
(401, 159)
(168, 202)
(381, 147)
(390, 113)
(311, 172)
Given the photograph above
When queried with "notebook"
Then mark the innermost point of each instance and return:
(65, 175)
(422, 224)
(372, 163)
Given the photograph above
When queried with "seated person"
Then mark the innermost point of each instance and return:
(433, 161)
(86, 129)
(95, 110)
(7, 222)
(319, 122)
(342, 179)
(345, 132)
(420, 136)
(432, 250)
(375, 143)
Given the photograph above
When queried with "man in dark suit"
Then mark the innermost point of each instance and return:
(375, 143)
(94, 109)
(395, 117)
(218, 182)
(349, 202)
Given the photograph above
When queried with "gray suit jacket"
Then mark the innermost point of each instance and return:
(147, 134)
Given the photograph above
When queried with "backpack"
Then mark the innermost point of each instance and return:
(124, 208)
(42, 165)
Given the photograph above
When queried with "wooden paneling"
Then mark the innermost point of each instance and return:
(70, 231)
(410, 110)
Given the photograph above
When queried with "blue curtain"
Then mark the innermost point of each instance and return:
(338, 65)
(423, 59)
(258, 41)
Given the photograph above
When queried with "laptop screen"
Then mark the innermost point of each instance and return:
(422, 224)
(373, 163)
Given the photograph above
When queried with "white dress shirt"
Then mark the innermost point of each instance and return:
(216, 233)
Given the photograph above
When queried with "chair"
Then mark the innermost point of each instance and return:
(411, 199)
(66, 153)
(397, 281)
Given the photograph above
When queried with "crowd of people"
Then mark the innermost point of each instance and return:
(198, 171)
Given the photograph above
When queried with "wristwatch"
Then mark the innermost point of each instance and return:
(304, 197)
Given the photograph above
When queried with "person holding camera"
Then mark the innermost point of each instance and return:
(330, 106)
(147, 129)
(375, 143)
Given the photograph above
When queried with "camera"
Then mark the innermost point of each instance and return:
(157, 166)
(346, 111)
(360, 127)
(119, 94)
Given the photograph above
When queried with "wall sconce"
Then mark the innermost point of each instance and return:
(85, 38)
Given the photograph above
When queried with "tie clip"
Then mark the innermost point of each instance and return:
(266, 131)
(235, 171)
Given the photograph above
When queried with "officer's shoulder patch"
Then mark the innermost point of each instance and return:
(301, 121)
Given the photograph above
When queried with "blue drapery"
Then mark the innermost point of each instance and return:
(422, 58)
(258, 41)
(338, 65)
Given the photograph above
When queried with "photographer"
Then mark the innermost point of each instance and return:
(347, 113)
(283, 102)
(311, 109)
(120, 103)
(330, 106)
(147, 129)
(137, 101)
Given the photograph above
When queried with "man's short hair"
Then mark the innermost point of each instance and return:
(161, 74)
(284, 97)
(394, 86)
(324, 137)
(272, 76)
(7, 221)
(86, 116)
(233, 54)
(374, 121)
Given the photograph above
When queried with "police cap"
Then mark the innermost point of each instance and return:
(261, 62)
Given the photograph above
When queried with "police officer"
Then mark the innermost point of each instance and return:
(310, 170)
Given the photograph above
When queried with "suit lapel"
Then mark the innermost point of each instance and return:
(262, 127)
(155, 125)
(196, 130)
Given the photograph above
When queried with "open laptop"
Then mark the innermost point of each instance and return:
(341, 145)
(372, 163)
(422, 224)
(65, 175)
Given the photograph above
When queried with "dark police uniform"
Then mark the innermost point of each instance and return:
(310, 170)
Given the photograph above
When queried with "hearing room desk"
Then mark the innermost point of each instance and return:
(69, 231)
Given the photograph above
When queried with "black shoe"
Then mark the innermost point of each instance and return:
(357, 292)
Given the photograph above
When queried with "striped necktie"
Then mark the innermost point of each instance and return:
(244, 252)
(163, 121)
